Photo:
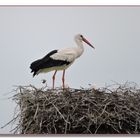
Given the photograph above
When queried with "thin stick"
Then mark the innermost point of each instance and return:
(60, 113)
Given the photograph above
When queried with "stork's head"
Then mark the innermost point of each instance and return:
(80, 38)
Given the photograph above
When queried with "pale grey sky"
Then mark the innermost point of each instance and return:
(29, 33)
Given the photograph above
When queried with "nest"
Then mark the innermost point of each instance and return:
(78, 111)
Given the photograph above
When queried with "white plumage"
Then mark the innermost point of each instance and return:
(59, 59)
(66, 54)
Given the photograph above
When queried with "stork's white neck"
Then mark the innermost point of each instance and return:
(79, 48)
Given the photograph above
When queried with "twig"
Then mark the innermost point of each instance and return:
(60, 113)
(36, 111)
(10, 122)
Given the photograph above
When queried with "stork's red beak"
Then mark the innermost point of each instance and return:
(86, 41)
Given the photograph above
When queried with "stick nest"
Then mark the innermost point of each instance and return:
(78, 111)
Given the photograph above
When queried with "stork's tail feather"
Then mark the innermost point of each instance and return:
(34, 72)
(35, 67)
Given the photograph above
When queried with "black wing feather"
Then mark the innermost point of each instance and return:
(46, 62)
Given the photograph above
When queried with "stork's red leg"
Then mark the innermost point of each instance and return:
(63, 79)
(53, 78)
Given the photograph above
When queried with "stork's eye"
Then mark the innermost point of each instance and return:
(81, 36)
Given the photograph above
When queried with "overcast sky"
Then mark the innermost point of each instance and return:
(29, 33)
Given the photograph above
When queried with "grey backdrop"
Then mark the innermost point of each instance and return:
(29, 33)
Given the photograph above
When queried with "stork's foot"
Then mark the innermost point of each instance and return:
(66, 86)
(53, 87)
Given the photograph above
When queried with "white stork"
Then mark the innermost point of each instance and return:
(59, 59)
